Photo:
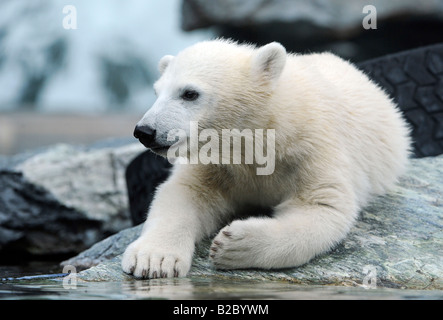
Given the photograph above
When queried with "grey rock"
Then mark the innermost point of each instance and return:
(335, 15)
(90, 181)
(64, 199)
(396, 243)
(104, 250)
(33, 221)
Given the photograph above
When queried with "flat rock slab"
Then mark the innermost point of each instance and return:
(396, 243)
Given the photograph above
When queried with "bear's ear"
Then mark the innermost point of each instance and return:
(269, 61)
(164, 62)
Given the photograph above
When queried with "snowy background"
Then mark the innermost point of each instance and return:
(108, 63)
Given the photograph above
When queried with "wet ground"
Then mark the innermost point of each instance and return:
(40, 287)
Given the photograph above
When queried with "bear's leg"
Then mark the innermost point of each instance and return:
(294, 236)
(179, 217)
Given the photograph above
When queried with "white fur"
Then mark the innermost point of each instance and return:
(164, 62)
(339, 141)
(268, 62)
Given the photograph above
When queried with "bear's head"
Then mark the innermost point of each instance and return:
(219, 84)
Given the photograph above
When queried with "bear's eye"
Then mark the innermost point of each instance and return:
(190, 95)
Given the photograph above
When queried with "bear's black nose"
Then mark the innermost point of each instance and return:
(146, 135)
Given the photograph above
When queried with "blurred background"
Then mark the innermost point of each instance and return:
(82, 73)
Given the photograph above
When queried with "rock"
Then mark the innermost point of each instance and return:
(396, 243)
(143, 175)
(33, 221)
(90, 181)
(63, 199)
(337, 15)
(412, 80)
(304, 26)
(104, 250)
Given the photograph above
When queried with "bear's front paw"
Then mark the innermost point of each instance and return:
(145, 261)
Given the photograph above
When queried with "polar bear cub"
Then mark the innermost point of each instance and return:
(338, 139)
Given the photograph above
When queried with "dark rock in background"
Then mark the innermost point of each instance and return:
(32, 221)
(143, 175)
(338, 15)
(414, 79)
(310, 26)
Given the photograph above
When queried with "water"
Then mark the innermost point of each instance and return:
(29, 268)
(43, 280)
(194, 289)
